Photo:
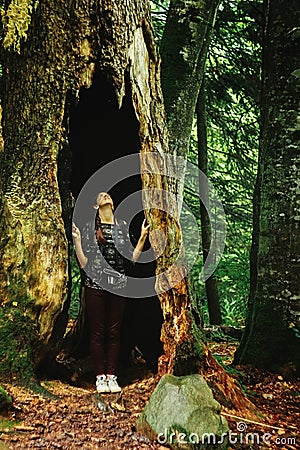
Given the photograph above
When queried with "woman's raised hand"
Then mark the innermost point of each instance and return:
(145, 228)
(75, 232)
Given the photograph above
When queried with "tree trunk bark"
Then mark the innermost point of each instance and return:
(272, 338)
(214, 310)
(34, 247)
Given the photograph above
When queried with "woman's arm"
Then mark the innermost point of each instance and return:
(82, 259)
(141, 242)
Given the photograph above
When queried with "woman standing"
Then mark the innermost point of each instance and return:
(102, 250)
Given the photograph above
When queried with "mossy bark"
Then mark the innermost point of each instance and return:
(33, 252)
(272, 333)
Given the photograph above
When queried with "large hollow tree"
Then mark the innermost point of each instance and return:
(51, 52)
(271, 338)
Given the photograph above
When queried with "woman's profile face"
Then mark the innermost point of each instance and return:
(103, 198)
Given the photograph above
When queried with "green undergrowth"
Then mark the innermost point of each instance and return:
(5, 399)
(7, 424)
(75, 289)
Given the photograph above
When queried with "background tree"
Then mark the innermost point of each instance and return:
(211, 287)
(183, 49)
(271, 338)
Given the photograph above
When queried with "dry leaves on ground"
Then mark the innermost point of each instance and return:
(75, 417)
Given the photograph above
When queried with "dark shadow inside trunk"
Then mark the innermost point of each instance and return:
(101, 132)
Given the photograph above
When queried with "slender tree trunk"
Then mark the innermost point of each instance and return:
(214, 310)
(215, 316)
(272, 332)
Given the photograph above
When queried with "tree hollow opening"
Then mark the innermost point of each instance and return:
(101, 132)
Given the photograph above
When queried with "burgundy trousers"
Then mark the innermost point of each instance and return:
(105, 313)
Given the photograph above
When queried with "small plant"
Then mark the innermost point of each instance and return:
(5, 399)
(75, 290)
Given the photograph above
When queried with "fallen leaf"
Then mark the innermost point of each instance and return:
(117, 406)
(23, 428)
(268, 396)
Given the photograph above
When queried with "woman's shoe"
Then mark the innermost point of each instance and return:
(113, 384)
(102, 384)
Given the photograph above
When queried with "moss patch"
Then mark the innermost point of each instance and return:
(16, 20)
(189, 353)
(7, 424)
(18, 337)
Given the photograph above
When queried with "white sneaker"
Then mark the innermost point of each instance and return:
(113, 384)
(102, 384)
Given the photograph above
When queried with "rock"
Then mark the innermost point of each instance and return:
(183, 413)
(5, 400)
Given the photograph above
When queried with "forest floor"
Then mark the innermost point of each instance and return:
(70, 418)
